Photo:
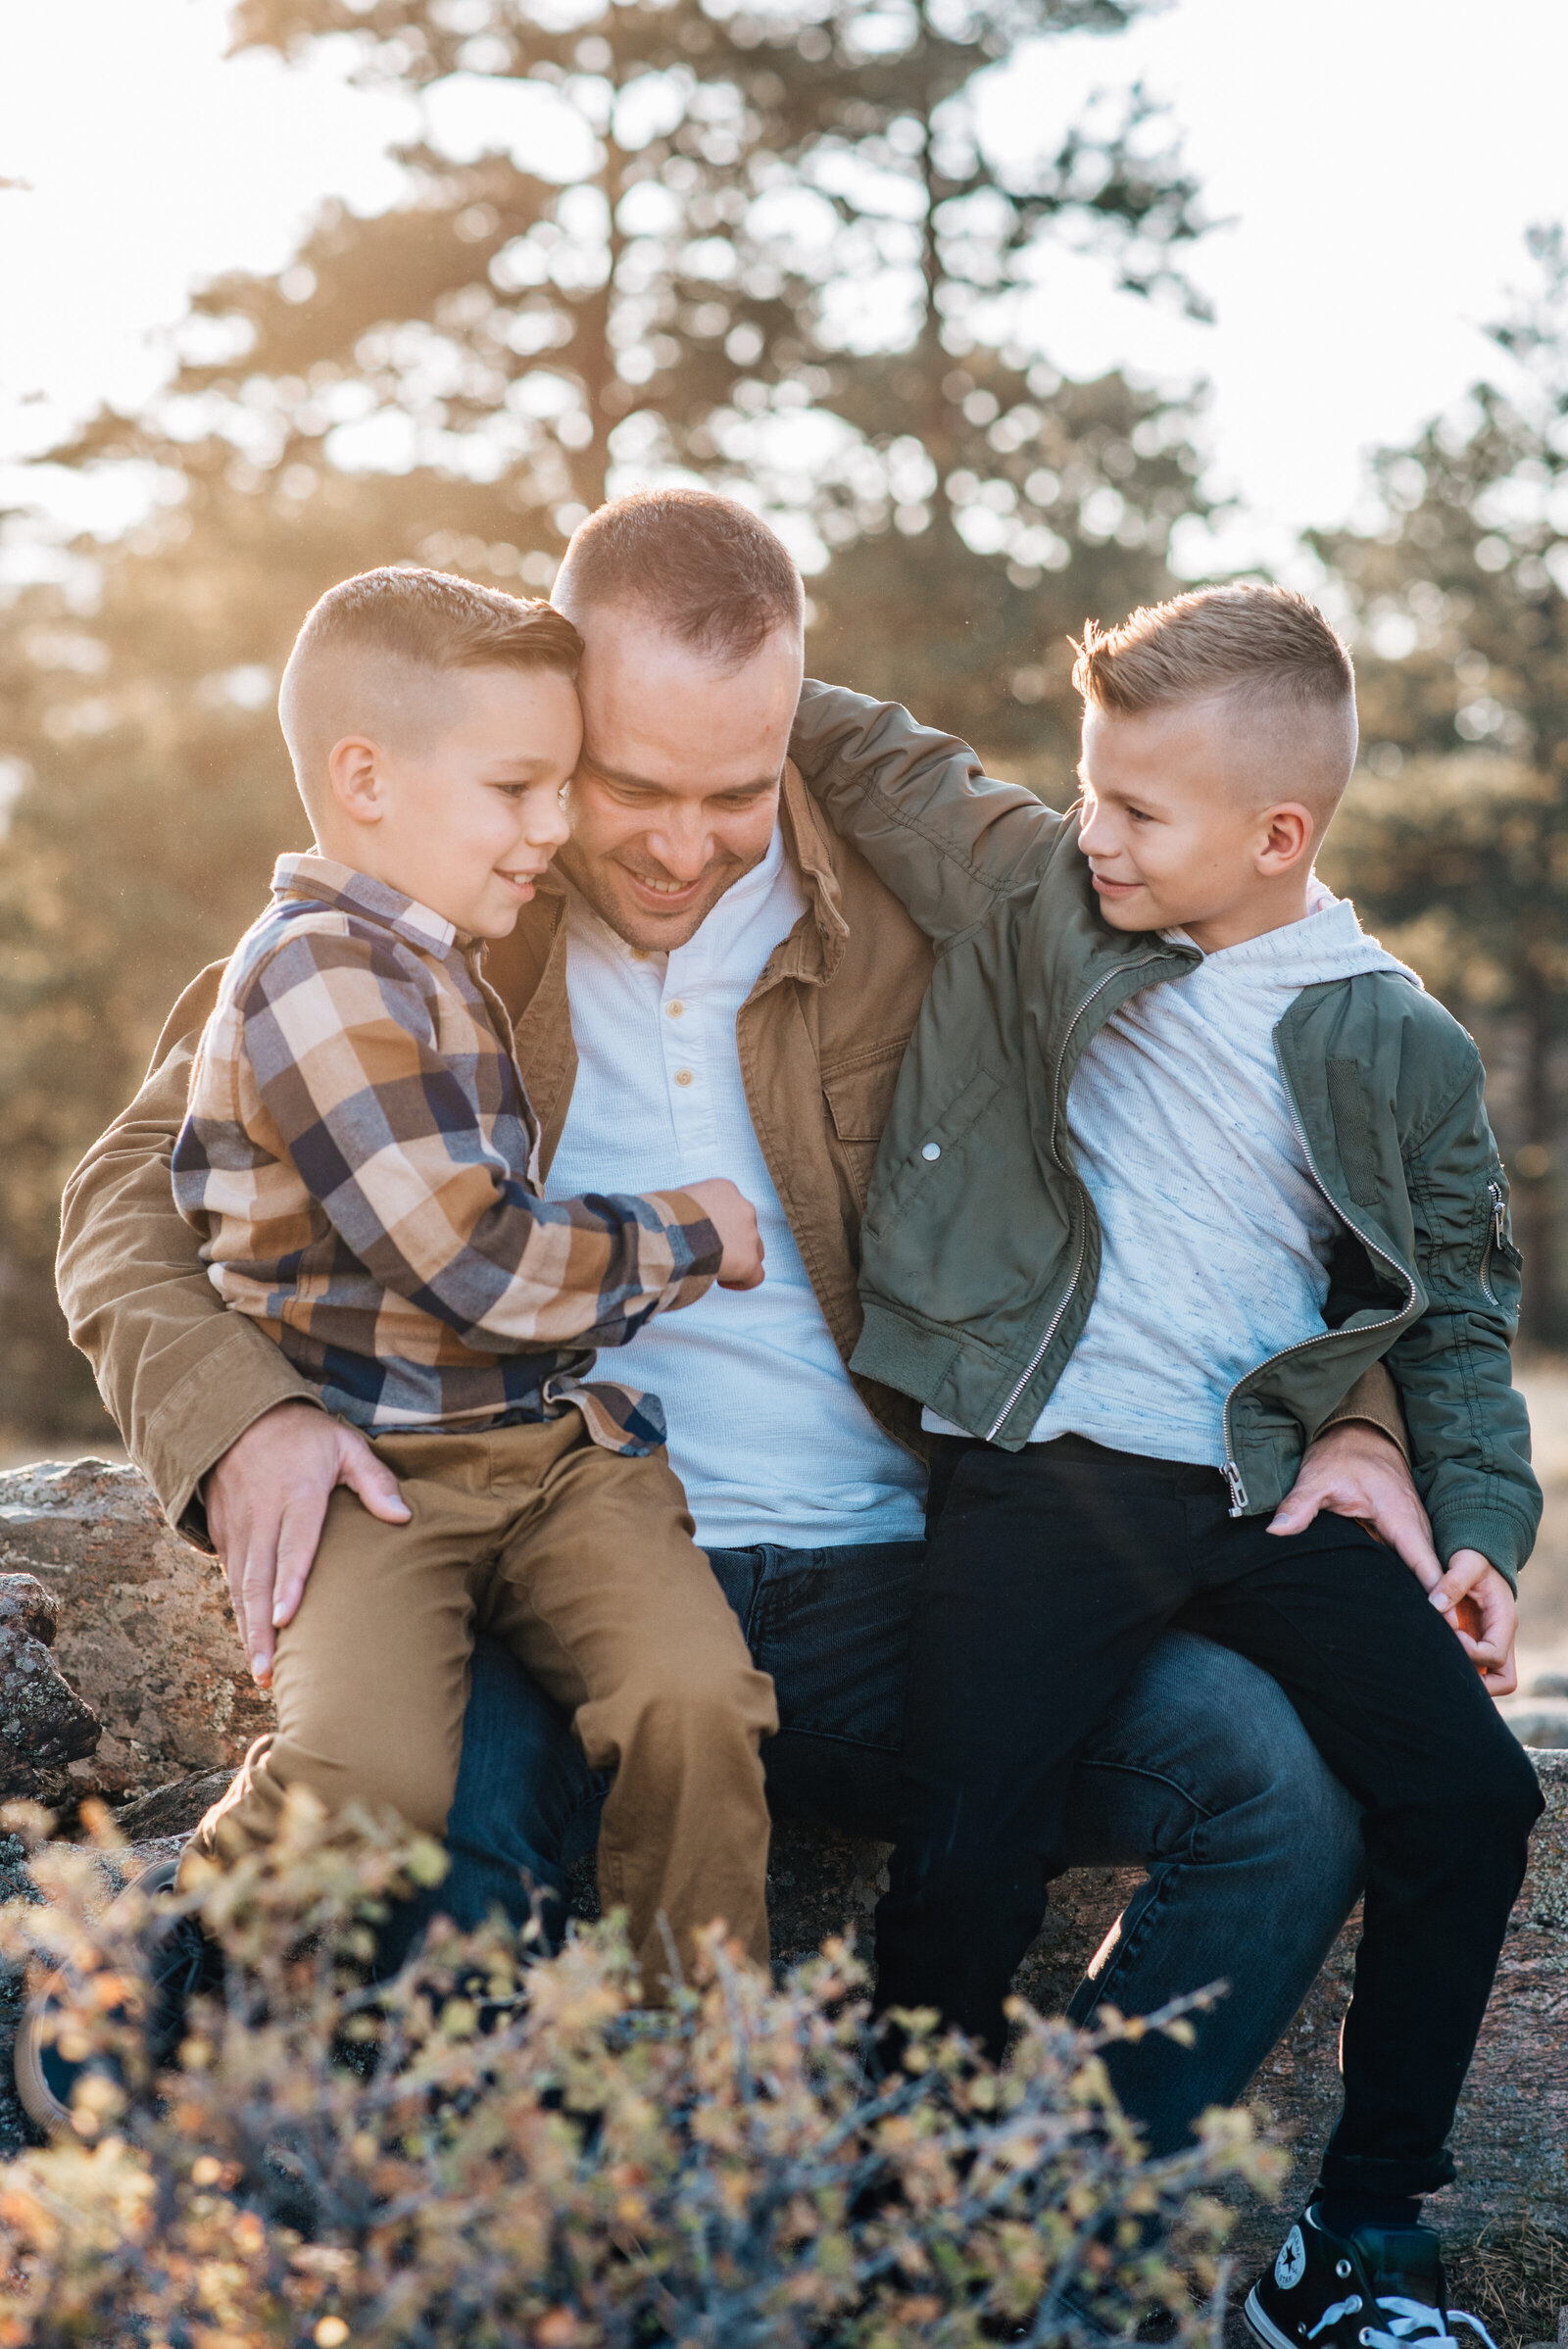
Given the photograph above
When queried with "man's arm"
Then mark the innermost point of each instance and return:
(1469, 1429)
(234, 1443)
(181, 1378)
(944, 836)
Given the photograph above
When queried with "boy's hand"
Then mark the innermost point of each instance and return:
(266, 1499)
(734, 1219)
(1484, 1615)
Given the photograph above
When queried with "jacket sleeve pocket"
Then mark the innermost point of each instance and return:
(942, 1138)
(1353, 1130)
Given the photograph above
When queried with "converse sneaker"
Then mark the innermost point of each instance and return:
(181, 1961)
(1382, 2288)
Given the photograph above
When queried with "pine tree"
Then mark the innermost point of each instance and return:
(1460, 825)
(785, 265)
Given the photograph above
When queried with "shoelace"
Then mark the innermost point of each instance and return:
(1412, 2324)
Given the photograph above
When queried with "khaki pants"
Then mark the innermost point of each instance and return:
(583, 1563)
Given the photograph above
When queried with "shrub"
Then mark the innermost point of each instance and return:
(460, 2158)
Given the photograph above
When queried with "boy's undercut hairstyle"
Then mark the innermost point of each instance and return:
(437, 621)
(1266, 651)
(710, 572)
(1263, 644)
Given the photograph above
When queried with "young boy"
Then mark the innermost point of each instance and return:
(360, 1157)
(1176, 1153)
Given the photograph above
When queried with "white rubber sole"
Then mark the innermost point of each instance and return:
(1262, 2326)
(35, 2095)
(33, 2092)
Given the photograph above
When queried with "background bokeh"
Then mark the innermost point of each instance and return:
(802, 250)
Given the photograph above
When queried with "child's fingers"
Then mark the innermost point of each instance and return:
(1464, 1569)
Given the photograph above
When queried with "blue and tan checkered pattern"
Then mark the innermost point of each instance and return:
(358, 1158)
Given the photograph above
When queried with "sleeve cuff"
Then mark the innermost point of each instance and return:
(231, 1387)
(1499, 1535)
(1373, 1400)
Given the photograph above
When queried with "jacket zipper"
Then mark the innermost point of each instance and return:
(1233, 1475)
(1494, 1236)
(1039, 1352)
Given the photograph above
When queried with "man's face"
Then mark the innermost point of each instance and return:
(676, 791)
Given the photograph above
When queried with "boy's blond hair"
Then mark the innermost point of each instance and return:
(1215, 640)
(1267, 651)
(439, 622)
(377, 655)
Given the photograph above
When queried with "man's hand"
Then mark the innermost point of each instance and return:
(1484, 1614)
(734, 1219)
(1356, 1471)
(266, 1499)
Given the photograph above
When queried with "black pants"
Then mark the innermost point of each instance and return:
(1049, 1572)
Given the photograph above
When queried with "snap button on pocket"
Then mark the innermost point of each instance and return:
(931, 1150)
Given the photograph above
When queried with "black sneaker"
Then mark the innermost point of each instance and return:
(1382, 2288)
(181, 1963)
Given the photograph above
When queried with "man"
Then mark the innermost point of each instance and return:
(715, 971)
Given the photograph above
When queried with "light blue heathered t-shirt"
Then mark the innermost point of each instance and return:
(1215, 1234)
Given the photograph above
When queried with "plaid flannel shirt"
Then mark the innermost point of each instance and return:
(359, 1155)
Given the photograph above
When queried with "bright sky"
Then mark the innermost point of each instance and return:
(1378, 162)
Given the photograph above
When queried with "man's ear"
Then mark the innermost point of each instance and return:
(1288, 834)
(354, 771)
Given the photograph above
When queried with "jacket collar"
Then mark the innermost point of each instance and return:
(813, 950)
(325, 882)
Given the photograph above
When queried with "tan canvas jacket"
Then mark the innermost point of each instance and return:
(821, 1037)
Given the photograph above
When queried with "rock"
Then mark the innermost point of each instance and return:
(146, 1640)
(1540, 1721)
(44, 1725)
(146, 1635)
(1548, 1684)
(176, 1810)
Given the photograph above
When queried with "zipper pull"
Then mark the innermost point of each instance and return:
(1237, 1491)
(1497, 1212)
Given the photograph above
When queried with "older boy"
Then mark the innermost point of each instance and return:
(1176, 1148)
(359, 1157)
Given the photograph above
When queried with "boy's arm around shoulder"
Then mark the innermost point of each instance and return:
(181, 1378)
(1469, 1429)
(340, 1035)
(945, 838)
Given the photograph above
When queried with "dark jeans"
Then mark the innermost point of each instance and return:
(1049, 1575)
(1200, 1770)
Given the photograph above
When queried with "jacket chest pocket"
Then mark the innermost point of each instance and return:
(942, 1149)
(859, 1093)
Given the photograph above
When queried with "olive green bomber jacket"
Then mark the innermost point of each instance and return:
(980, 1247)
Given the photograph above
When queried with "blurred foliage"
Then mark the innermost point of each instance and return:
(1455, 835)
(440, 2162)
(784, 263)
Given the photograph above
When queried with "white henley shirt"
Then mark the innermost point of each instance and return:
(766, 1432)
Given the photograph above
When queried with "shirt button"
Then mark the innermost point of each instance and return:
(675, 1009)
(931, 1150)
(683, 1076)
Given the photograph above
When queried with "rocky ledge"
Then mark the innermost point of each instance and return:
(120, 1674)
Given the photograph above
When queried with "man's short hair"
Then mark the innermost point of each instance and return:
(711, 573)
(1263, 645)
(437, 621)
